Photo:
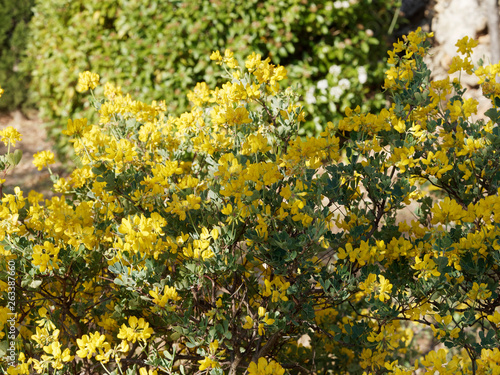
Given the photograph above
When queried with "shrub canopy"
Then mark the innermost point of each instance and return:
(221, 241)
(158, 50)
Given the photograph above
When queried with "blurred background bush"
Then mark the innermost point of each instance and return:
(14, 20)
(335, 51)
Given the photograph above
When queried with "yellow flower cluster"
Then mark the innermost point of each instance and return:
(465, 46)
(76, 128)
(263, 367)
(381, 288)
(211, 361)
(276, 289)
(52, 357)
(228, 58)
(137, 329)
(169, 294)
(264, 320)
(10, 135)
(89, 344)
(43, 158)
(400, 75)
(86, 81)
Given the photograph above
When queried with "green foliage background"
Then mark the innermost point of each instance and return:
(160, 49)
(14, 19)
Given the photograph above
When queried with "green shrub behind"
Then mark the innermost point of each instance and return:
(158, 49)
(14, 19)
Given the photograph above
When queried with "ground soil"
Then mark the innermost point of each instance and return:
(34, 139)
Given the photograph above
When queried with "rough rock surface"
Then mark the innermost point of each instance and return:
(451, 20)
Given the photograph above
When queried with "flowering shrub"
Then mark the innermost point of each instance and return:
(221, 242)
(155, 48)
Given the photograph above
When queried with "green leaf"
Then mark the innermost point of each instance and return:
(99, 170)
(35, 284)
(493, 114)
(14, 157)
(175, 336)
(497, 101)
(4, 344)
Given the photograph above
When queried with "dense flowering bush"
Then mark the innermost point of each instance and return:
(221, 242)
(155, 48)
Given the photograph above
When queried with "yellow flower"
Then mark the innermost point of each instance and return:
(268, 320)
(145, 371)
(200, 95)
(10, 135)
(89, 344)
(400, 126)
(495, 318)
(479, 291)
(111, 91)
(22, 366)
(87, 80)
(43, 337)
(138, 329)
(252, 61)
(216, 56)
(465, 45)
(55, 356)
(385, 288)
(255, 143)
(43, 158)
(447, 210)
(262, 311)
(229, 59)
(76, 127)
(61, 185)
(249, 322)
(457, 64)
(276, 288)
(1, 91)
(265, 368)
(169, 294)
(261, 329)
(213, 346)
(208, 362)
(46, 256)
